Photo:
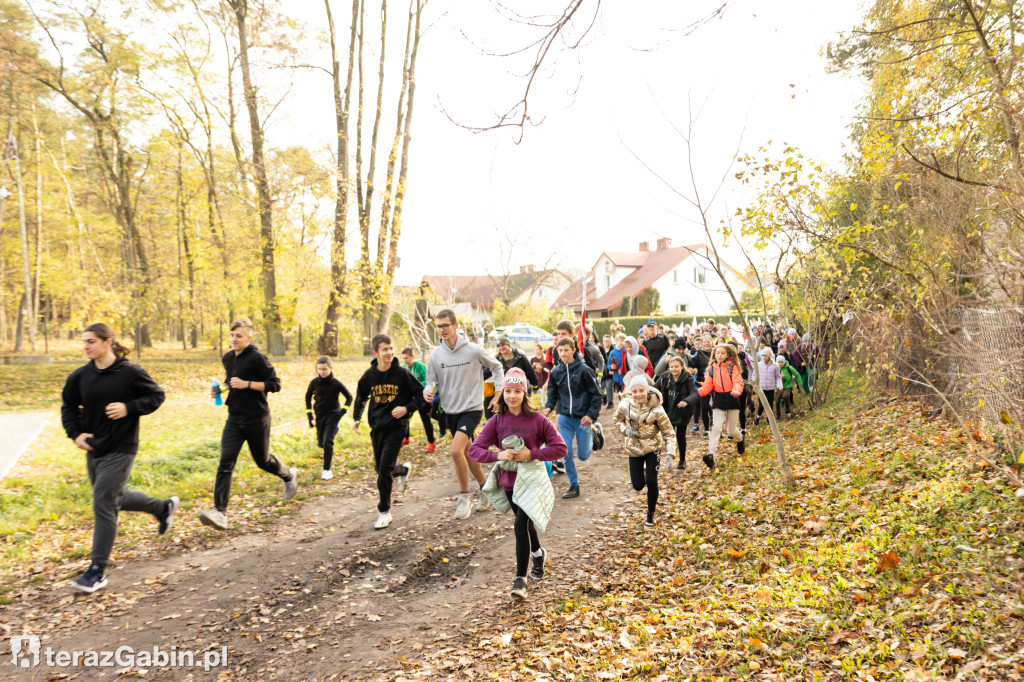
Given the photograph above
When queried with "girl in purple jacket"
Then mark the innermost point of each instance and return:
(517, 416)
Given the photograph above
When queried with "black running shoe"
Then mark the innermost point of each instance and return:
(573, 491)
(91, 580)
(709, 459)
(538, 565)
(519, 589)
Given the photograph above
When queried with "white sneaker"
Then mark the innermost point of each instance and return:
(327, 475)
(403, 481)
(214, 519)
(291, 486)
(464, 506)
(383, 520)
(481, 501)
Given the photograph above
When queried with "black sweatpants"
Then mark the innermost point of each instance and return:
(643, 471)
(428, 426)
(681, 440)
(743, 411)
(236, 434)
(110, 494)
(326, 431)
(770, 395)
(527, 540)
(387, 443)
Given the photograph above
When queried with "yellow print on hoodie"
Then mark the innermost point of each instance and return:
(384, 393)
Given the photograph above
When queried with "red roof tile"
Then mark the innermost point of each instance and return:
(656, 264)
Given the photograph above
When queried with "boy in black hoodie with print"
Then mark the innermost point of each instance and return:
(322, 400)
(393, 393)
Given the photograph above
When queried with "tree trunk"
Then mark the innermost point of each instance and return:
(24, 308)
(190, 268)
(384, 318)
(37, 280)
(328, 344)
(271, 315)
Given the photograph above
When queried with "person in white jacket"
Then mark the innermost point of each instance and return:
(771, 380)
(455, 370)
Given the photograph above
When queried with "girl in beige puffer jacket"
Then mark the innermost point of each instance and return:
(648, 433)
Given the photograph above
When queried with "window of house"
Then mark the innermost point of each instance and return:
(675, 277)
(607, 281)
(680, 307)
(699, 275)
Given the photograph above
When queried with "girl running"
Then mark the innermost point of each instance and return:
(724, 382)
(525, 440)
(648, 431)
(680, 393)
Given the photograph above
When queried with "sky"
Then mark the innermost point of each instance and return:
(603, 164)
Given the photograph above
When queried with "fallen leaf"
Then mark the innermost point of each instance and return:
(887, 562)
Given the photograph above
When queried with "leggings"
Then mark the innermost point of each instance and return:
(644, 471)
(743, 411)
(527, 540)
(681, 440)
(705, 412)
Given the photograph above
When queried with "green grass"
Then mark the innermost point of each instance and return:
(45, 502)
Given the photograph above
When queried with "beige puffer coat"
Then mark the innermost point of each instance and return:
(656, 432)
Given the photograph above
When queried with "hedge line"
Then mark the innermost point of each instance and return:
(632, 324)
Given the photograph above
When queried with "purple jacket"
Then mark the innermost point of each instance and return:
(535, 431)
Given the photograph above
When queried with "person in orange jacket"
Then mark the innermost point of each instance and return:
(724, 381)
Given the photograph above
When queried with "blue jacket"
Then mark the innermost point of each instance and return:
(574, 389)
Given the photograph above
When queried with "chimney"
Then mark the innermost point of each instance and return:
(530, 268)
(522, 269)
(664, 243)
(644, 247)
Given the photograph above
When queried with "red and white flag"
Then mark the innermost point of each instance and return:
(581, 335)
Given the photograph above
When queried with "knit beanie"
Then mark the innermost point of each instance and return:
(516, 378)
(639, 381)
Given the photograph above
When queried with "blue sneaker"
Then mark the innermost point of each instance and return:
(91, 580)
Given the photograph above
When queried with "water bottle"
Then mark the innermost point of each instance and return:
(217, 400)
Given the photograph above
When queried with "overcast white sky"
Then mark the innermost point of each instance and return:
(572, 186)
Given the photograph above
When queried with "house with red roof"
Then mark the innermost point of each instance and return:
(682, 275)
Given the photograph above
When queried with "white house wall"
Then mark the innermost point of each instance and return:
(709, 298)
(608, 277)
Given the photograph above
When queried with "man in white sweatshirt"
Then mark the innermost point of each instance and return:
(456, 371)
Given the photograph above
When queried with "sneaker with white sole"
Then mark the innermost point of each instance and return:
(403, 481)
(383, 520)
(217, 520)
(90, 581)
(291, 486)
(481, 501)
(327, 475)
(464, 506)
(167, 518)
(519, 589)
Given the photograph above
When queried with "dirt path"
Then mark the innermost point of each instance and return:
(17, 431)
(324, 595)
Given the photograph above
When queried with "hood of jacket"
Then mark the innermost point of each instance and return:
(460, 340)
(115, 366)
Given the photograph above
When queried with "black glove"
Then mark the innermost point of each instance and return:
(311, 424)
(343, 412)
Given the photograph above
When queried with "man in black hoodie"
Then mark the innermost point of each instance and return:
(393, 393)
(249, 376)
(100, 409)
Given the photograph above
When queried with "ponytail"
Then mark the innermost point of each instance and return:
(104, 331)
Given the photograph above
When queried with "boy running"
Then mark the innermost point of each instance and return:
(455, 370)
(249, 376)
(322, 401)
(419, 370)
(393, 394)
(573, 388)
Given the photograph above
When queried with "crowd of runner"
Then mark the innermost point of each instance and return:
(662, 385)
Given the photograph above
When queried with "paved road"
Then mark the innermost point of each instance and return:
(17, 431)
